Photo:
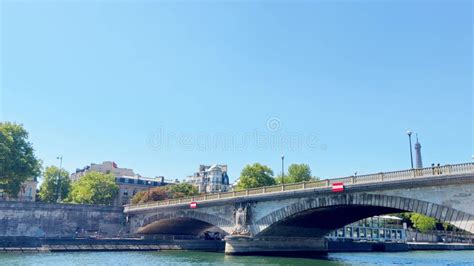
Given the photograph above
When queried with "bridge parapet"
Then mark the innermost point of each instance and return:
(382, 177)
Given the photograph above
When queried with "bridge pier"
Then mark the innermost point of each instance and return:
(281, 246)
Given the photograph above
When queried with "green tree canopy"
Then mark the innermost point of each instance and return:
(297, 173)
(423, 223)
(182, 190)
(49, 188)
(17, 159)
(94, 188)
(256, 175)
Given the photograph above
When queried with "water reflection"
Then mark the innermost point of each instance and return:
(183, 258)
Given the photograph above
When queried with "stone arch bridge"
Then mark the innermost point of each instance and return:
(301, 214)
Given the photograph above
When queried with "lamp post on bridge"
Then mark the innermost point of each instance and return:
(411, 153)
(60, 158)
(283, 169)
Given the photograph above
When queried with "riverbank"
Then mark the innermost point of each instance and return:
(439, 246)
(28, 244)
(189, 246)
(340, 246)
(347, 246)
(31, 245)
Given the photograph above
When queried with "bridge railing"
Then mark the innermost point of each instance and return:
(350, 180)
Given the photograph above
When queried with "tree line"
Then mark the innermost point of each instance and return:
(18, 164)
(252, 176)
(258, 175)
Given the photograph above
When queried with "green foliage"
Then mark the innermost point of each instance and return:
(182, 190)
(256, 175)
(297, 173)
(94, 188)
(405, 216)
(17, 160)
(448, 227)
(139, 197)
(166, 192)
(49, 188)
(423, 223)
(152, 194)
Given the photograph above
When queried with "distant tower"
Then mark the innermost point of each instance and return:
(419, 163)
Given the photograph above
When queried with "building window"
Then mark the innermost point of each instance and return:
(356, 232)
(381, 233)
(340, 233)
(122, 180)
(140, 182)
(376, 233)
(349, 231)
(130, 181)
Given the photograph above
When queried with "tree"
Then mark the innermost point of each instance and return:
(17, 159)
(152, 194)
(49, 188)
(166, 192)
(297, 173)
(182, 190)
(139, 197)
(94, 188)
(423, 223)
(256, 175)
(406, 218)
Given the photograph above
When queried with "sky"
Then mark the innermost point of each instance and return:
(164, 86)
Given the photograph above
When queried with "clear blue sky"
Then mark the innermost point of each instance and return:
(97, 81)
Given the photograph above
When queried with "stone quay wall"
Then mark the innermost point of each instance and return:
(34, 219)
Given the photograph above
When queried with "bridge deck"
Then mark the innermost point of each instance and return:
(378, 178)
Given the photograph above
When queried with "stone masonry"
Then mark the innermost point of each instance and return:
(33, 219)
(313, 212)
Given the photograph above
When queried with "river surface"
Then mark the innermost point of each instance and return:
(204, 258)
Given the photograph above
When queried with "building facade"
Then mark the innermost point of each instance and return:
(27, 192)
(129, 183)
(107, 167)
(210, 179)
(373, 229)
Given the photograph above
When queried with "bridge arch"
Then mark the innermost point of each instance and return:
(322, 214)
(182, 222)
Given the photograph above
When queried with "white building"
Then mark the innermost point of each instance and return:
(210, 179)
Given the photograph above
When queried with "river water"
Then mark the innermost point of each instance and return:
(204, 258)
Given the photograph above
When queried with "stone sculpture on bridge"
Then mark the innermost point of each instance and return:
(241, 216)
